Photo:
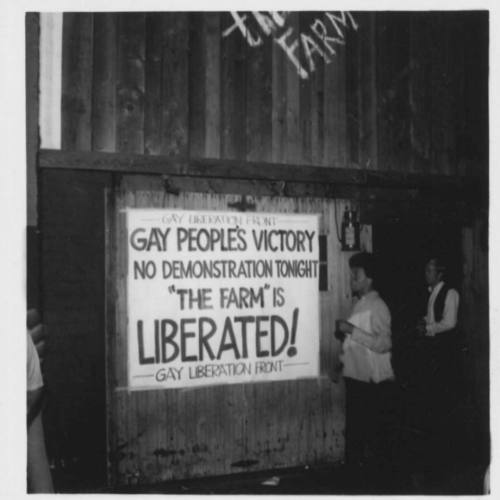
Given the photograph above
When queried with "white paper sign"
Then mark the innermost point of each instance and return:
(221, 297)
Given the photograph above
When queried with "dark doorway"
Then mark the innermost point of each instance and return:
(402, 251)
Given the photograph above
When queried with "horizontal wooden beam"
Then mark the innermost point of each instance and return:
(246, 170)
(178, 184)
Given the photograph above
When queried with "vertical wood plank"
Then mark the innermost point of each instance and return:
(279, 105)
(259, 102)
(175, 99)
(439, 95)
(444, 161)
(156, 35)
(32, 33)
(434, 72)
(51, 36)
(205, 431)
(393, 74)
(457, 68)
(436, 96)
(335, 110)
(104, 83)
(353, 100)
(130, 90)
(368, 92)
(77, 66)
(386, 91)
(317, 100)
(293, 140)
(448, 160)
(305, 100)
(111, 296)
(474, 133)
(420, 93)
(166, 83)
(212, 42)
(197, 91)
(233, 97)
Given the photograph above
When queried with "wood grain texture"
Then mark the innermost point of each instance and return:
(230, 169)
(104, 82)
(211, 43)
(258, 94)
(175, 98)
(156, 35)
(119, 77)
(316, 88)
(353, 99)
(130, 91)
(110, 294)
(166, 95)
(233, 97)
(32, 30)
(442, 96)
(197, 90)
(368, 92)
(77, 66)
(174, 434)
(292, 86)
(167, 83)
(420, 94)
(279, 104)
(475, 303)
(335, 121)
(305, 101)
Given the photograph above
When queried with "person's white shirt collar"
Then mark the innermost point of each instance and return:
(434, 290)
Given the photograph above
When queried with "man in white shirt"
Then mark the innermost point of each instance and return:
(367, 369)
(442, 306)
(440, 361)
(439, 327)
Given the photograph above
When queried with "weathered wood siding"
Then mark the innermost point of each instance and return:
(72, 303)
(392, 97)
(407, 93)
(171, 434)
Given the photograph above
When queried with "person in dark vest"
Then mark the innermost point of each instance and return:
(439, 357)
(442, 305)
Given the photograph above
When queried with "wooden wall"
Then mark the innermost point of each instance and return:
(162, 435)
(407, 94)
(72, 302)
(395, 97)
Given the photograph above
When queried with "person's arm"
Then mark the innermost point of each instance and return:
(36, 331)
(34, 381)
(380, 339)
(450, 313)
(38, 469)
(34, 404)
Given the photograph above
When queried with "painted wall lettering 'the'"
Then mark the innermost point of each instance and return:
(324, 34)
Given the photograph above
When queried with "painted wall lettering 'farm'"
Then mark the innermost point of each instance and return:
(320, 40)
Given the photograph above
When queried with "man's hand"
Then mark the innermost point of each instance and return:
(342, 328)
(422, 327)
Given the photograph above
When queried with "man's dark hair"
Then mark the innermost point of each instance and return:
(365, 261)
(439, 262)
